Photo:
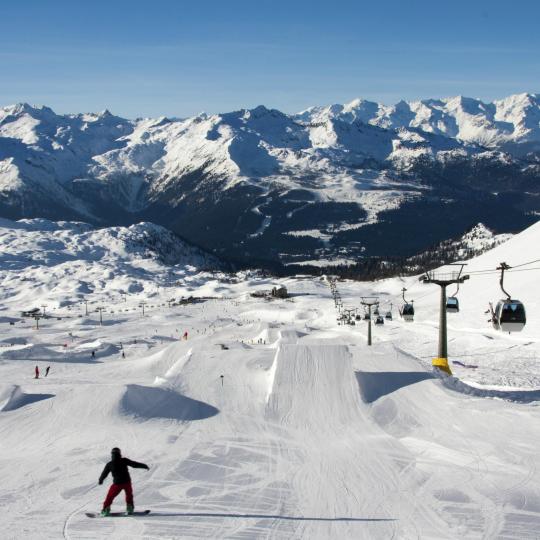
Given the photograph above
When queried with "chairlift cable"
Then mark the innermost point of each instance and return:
(525, 264)
(511, 268)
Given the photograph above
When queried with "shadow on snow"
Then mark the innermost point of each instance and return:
(376, 384)
(154, 402)
(518, 396)
(15, 399)
(263, 516)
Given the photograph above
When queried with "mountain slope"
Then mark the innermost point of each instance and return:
(263, 187)
(68, 261)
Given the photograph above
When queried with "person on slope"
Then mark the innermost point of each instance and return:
(36, 371)
(118, 467)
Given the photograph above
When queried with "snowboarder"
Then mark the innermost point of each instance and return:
(93, 354)
(185, 335)
(118, 467)
(47, 370)
(37, 373)
(123, 354)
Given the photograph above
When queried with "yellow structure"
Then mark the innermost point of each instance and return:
(442, 364)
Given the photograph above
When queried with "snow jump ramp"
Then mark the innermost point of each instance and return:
(314, 387)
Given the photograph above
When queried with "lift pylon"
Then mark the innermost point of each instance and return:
(369, 301)
(443, 280)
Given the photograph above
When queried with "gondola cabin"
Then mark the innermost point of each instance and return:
(379, 320)
(408, 312)
(367, 317)
(452, 305)
(388, 315)
(376, 311)
(509, 316)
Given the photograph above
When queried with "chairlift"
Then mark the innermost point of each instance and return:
(388, 316)
(452, 303)
(376, 311)
(379, 320)
(509, 314)
(407, 311)
(366, 317)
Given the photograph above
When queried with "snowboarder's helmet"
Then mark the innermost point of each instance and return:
(115, 452)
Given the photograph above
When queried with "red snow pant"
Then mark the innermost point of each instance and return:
(115, 489)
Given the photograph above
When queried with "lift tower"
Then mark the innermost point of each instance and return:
(443, 280)
(369, 301)
(100, 309)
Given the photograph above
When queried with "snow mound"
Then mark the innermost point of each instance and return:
(59, 354)
(268, 335)
(290, 336)
(12, 398)
(153, 402)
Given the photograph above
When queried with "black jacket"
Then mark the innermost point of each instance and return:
(119, 469)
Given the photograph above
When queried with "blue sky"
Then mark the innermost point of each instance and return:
(178, 58)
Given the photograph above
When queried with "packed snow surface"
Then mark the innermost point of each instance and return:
(270, 420)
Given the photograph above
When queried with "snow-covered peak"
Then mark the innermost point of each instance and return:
(25, 108)
(515, 119)
(480, 238)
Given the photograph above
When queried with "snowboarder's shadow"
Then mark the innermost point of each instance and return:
(264, 516)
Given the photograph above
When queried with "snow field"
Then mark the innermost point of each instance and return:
(270, 420)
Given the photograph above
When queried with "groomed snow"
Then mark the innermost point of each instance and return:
(270, 420)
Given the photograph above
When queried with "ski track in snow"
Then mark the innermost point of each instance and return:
(309, 434)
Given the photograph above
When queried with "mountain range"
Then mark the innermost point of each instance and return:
(261, 187)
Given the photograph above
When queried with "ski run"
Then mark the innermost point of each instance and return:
(264, 418)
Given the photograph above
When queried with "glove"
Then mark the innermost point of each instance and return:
(100, 482)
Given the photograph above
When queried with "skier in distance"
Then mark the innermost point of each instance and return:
(118, 467)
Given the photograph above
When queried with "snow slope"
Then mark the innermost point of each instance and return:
(502, 359)
(62, 263)
(252, 184)
(271, 420)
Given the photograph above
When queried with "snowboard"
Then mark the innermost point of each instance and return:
(117, 514)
